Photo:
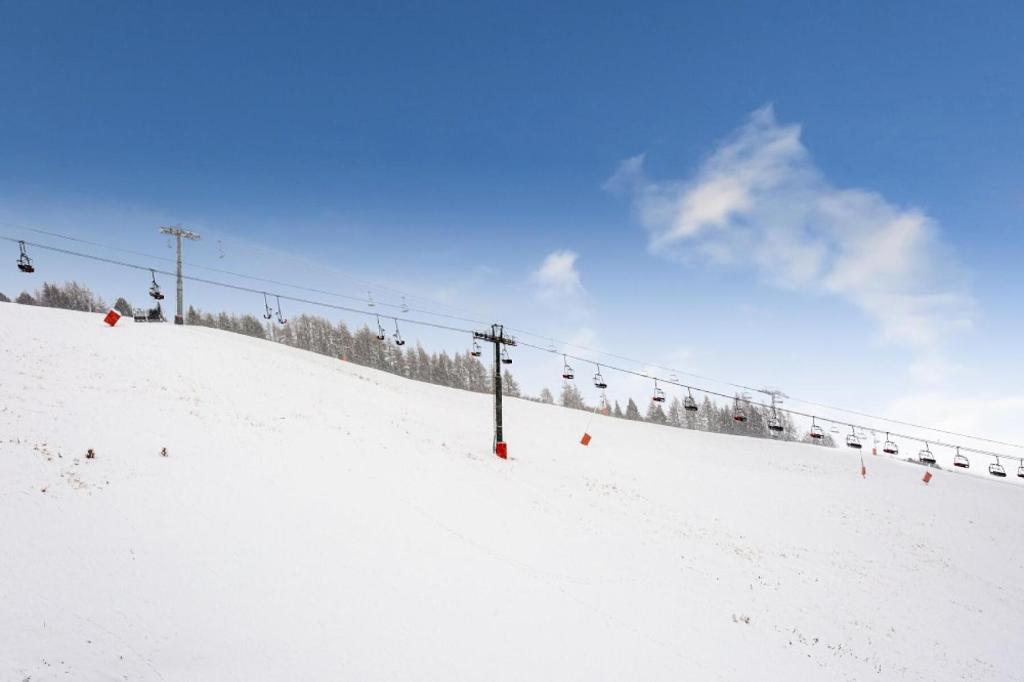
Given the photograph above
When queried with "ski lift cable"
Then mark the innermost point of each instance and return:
(462, 318)
(768, 406)
(239, 287)
(398, 306)
(446, 327)
(764, 391)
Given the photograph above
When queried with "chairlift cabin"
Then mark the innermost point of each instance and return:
(399, 341)
(689, 404)
(268, 313)
(505, 359)
(926, 456)
(599, 381)
(961, 461)
(890, 447)
(852, 441)
(24, 262)
(816, 431)
(567, 372)
(997, 469)
(475, 351)
(659, 395)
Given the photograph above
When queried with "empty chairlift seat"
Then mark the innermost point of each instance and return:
(997, 469)
(567, 372)
(890, 447)
(961, 461)
(24, 262)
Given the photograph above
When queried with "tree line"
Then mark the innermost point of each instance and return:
(461, 370)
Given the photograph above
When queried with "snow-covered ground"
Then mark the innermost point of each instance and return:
(316, 520)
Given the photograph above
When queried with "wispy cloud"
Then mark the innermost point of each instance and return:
(759, 200)
(557, 276)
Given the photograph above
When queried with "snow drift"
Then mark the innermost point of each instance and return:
(319, 520)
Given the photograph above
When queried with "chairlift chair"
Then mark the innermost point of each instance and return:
(567, 372)
(505, 359)
(961, 461)
(24, 262)
(280, 317)
(405, 307)
(852, 441)
(154, 288)
(834, 429)
(738, 415)
(599, 381)
(997, 469)
(369, 300)
(399, 341)
(1020, 469)
(266, 305)
(890, 447)
(689, 404)
(659, 395)
(775, 424)
(816, 431)
(380, 330)
(925, 456)
(475, 351)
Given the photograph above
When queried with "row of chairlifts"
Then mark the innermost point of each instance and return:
(397, 336)
(370, 303)
(599, 382)
(775, 425)
(927, 457)
(269, 312)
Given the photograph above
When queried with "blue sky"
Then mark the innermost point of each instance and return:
(870, 259)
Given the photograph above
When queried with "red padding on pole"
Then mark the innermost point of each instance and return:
(927, 477)
(112, 317)
(501, 449)
(585, 440)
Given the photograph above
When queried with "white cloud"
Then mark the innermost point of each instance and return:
(758, 200)
(557, 277)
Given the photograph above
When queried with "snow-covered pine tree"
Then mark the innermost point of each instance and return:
(655, 414)
(124, 307)
(675, 413)
(509, 385)
(632, 411)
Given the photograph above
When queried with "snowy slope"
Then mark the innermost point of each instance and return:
(318, 520)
